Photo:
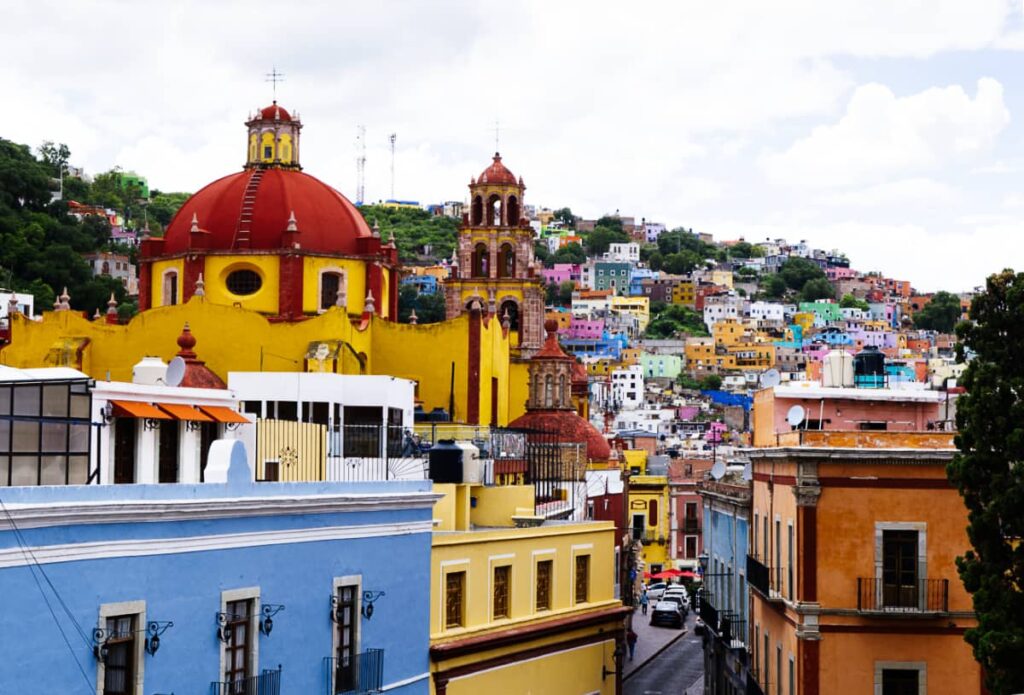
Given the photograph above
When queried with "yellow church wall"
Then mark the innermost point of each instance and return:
(518, 389)
(355, 279)
(384, 301)
(266, 141)
(157, 282)
(284, 148)
(264, 300)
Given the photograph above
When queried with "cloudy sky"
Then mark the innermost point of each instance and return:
(889, 129)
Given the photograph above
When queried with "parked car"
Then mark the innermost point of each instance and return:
(654, 591)
(677, 589)
(679, 598)
(667, 612)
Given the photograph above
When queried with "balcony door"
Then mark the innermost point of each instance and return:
(899, 569)
(124, 450)
(638, 526)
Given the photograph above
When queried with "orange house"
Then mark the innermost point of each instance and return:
(854, 587)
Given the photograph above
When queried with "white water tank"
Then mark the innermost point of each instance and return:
(472, 468)
(837, 369)
(150, 371)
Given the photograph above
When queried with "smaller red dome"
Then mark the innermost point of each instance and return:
(497, 173)
(566, 427)
(275, 113)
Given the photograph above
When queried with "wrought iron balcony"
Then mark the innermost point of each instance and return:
(753, 685)
(911, 598)
(690, 526)
(647, 537)
(759, 576)
(267, 683)
(360, 674)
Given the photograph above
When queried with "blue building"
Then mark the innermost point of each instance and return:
(609, 346)
(228, 586)
(724, 596)
(424, 284)
(612, 275)
(636, 277)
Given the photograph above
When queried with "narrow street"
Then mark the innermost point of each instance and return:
(671, 671)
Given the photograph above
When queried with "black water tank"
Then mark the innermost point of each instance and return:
(869, 362)
(445, 462)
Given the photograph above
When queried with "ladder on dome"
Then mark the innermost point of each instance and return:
(244, 224)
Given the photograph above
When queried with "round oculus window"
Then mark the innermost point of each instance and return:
(244, 282)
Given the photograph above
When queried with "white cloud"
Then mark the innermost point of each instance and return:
(905, 192)
(882, 135)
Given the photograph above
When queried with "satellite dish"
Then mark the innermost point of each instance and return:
(771, 378)
(748, 472)
(175, 372)
(718, 470)
(795, 415)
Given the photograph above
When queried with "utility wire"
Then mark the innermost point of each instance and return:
(34, 565)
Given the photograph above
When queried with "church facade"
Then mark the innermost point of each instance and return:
(494, 265)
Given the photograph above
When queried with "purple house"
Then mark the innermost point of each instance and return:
(585, 329)
(561, 272)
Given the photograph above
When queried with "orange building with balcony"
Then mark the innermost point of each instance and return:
(854, 587)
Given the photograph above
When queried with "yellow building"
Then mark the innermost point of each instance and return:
(722, 278)
(637, 307)
(648, 511)
(495, 265)
(727, 332)
(629, 356)
(518, 607)
(685, 293)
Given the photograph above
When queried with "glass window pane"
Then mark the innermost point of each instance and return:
(25, 470)
(5, 463)
(5, 435)
(55, 437)
(80, 406)
(26, 400)
(78, 473)
(55, 400)
(5, 400)
(53, 470)
(26, 436)
(79, 443)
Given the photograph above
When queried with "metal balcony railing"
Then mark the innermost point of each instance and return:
(759, 576)
(753, 684)
(361, 674)
(875, 595)
(691, 526)
(267, 683)
(647, 537)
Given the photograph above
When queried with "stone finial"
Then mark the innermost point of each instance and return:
(111, 306)
(96, 316)
(391, 238)
(12, 305)
(64, 300)
(376, 229)
(186, 341)
(369, 308)
(293, 226)
(200, 286)
(340, 300)
(195, 223)
(413, 319)
(506, 322)
(475, 305)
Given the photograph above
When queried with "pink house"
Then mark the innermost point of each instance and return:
(834, 274)
(585, 329)
(561, 272)
(687, 510)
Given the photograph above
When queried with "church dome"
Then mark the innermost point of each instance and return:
(497, 173)
(275, 113)
(566, 426)
(257, 203)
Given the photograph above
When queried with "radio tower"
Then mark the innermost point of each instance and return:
(360, 164)
(392, 139)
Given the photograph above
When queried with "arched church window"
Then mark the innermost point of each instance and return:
(170, 288)
(513, 211)
(549, 391)
(243, 282)
(284, 148)
(562, 400)
(480, 261)
(506, 261)
(511, 308)
(494, 211)
(478, 211)
(330, 283)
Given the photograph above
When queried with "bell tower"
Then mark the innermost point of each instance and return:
(494, 261)
(273, 139)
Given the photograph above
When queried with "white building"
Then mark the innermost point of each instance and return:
(660, 421)
(767, 311)
(721, 308)
(626, 253)
(25, 302)
(653, 230)
(628, 386)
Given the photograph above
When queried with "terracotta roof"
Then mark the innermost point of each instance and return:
(197, 374)
(551, 350)
(326, 220)
(497, 173)
(567, 426)
(275, 112)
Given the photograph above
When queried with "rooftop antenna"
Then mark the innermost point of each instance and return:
(274, 77)
(391, 139)
(497, 134)
(770, 378)
(360, 164)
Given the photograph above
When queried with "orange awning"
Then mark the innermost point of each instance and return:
(184, 412)
(222, 414)
(138, 410)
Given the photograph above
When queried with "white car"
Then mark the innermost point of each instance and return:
(654, 591)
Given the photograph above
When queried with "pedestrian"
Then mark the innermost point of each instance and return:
(643, 602)
(631, 642)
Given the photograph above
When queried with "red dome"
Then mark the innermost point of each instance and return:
(275, 112)
(327, 222)
(497, 173)
(566, 426)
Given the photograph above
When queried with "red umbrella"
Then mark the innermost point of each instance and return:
(686, 574)
(647, 575)
(661, 575)
(673, 572)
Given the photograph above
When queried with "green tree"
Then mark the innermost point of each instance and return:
(602, 237)
(712, 382)
(541, 253)
(940, 314)
(687, 382)
(55, 156)
(744, 249)
(746, 273)
(613, 222)
(565, 291)
(668, 320)
(656, 261)
(565, 216)
(164, 206)
(797, 271)
(418, 234)
(988, 470)
(817, 288)
(774, 287)
(570, 253)
(850, 302)
(682, 263)
(429, 307)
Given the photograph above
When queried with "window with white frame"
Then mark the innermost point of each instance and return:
(901, 678)
(347, 594)
(121, 648)
(239, 619)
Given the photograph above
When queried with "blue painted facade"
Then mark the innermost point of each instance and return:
(636, 277)
(178, 547)
(610, 346)
(424, 284)
(612, 275)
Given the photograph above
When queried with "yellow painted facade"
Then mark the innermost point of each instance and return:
(638, 307)
(491, 629)
(684, 293)
(648, 516)
(379, 347)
